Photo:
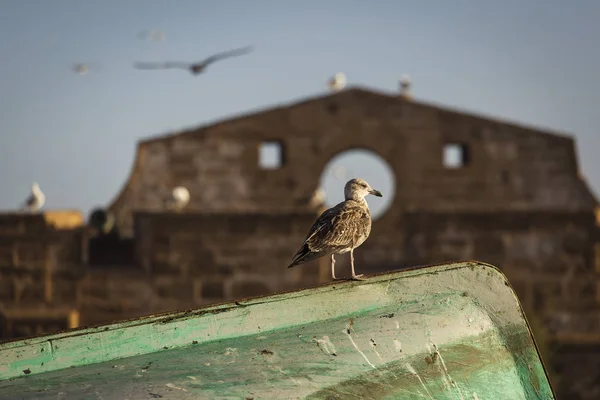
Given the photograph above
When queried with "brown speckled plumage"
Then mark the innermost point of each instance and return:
(339, 229)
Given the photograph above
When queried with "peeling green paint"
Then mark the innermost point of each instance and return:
(445, 332)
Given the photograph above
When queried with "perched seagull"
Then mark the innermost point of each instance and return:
(337, 83)
(36, 199)
(405, 83)
(180, 197)
(195, 68)
(340, 229)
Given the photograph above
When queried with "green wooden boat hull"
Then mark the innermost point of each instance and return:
(453, 331)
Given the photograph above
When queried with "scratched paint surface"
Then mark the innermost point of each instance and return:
(444, 332)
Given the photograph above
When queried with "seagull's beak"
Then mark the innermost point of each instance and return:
(375, 193)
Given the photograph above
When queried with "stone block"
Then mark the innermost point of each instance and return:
(213, 289)
(249, 288)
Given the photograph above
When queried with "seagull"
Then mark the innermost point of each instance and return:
(36, 199)
(195, 68)
(340, 229)
(337, 82)
(405, 83)
(180, 197)
(81, 69)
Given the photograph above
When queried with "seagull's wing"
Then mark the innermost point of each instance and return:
(335, 229)
(225, 54)
(164, 65)
(338, 228)
(305, 252)
(321, 223)
(176, 64)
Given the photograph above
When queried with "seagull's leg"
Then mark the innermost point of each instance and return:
(354, 276)
(333, 267)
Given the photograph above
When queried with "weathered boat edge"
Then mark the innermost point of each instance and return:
(46, 351)
(219, 307)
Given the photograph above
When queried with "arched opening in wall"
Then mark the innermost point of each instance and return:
(359, 163)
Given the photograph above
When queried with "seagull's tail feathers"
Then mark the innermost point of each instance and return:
(300, 256)
(304, 255)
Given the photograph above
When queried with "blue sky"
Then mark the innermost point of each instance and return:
(535, 62)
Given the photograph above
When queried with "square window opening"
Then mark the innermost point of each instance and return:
(271, 155)
(456, 155)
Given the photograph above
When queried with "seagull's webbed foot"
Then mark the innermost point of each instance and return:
(358, 277)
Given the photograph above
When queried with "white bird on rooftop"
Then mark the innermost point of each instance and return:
(340, 229)
(405, 83)
(337, 82)
(180, 197)
(36, 199)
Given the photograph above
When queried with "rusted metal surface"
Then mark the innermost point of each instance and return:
(453, 331)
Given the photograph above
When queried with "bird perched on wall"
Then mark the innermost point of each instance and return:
(405, 84)
(103, 221)
(340, 229)
(36, 199)
(194, 68)
(337, 82)
(180, 197)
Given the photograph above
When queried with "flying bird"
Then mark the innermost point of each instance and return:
(195, 68)
(340, 229)
(82, 68)
(36, 199)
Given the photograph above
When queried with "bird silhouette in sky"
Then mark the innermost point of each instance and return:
(194, 68)
(83, 68)
(80, 68)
